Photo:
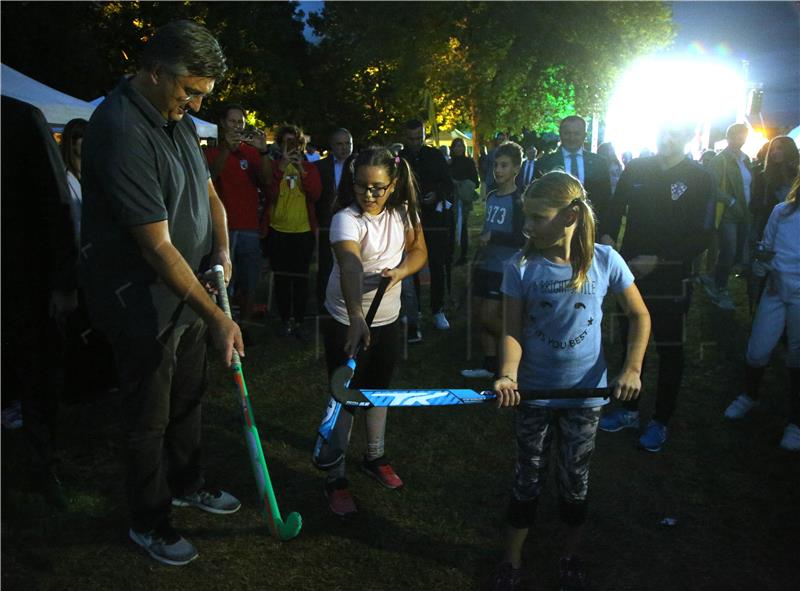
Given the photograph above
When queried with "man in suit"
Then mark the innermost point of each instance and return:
(591, 169)
(528, 169)
(331, 170)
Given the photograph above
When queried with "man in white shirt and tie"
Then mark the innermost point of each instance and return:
(590, 169)
(528, 169)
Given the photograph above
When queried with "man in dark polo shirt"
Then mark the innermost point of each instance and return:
(436, 198)
(151, 222)
(667, 201)
(240, 165)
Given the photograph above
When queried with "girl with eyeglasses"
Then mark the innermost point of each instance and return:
(375, 232)
(553, 292)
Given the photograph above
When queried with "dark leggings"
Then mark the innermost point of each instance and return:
(290, 255)
(374, 369)
(668, 328)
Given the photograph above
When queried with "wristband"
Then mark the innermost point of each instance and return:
(509, 378)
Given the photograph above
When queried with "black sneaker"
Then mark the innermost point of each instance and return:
(414, 335)
(165, 545)
(506, 578)
(572, 574)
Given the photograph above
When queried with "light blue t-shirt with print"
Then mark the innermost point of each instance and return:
(561, 330)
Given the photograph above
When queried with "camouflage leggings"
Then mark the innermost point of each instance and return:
(575, 429)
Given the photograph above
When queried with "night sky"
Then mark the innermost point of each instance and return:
(765, 33)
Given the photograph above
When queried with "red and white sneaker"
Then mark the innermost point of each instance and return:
(381, 470)
(339, 498)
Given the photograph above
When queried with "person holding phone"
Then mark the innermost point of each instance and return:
(292, 224)
(240, 168)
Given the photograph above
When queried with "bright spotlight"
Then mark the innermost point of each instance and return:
(655, 91)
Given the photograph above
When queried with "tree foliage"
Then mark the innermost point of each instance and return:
(83, 48)
(487, 65)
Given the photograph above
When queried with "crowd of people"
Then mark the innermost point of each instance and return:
(148, 211)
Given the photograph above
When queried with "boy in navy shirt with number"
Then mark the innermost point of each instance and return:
(502, 236)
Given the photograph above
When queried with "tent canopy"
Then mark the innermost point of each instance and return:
(58, 108)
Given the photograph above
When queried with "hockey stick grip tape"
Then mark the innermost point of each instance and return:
(216, 275)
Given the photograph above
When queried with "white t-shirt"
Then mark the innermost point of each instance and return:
(382, 239)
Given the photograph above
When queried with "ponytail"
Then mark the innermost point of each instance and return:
(582, 247)
(793, 198)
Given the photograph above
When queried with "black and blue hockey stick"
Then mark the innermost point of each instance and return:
(328, 453)
(442, 396)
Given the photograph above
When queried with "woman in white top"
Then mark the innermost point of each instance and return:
(374, 233)
(71, 140)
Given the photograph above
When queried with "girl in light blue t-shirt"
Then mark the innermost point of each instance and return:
(553, 293)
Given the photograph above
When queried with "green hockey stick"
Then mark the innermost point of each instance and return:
(283, 530)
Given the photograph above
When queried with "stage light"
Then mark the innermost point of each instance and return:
(658, 91)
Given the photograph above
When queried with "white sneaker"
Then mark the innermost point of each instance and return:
(477, 373)
(739, 407)
(791, 438)
(440, 322)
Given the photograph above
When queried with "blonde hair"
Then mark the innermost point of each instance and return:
(560, 190)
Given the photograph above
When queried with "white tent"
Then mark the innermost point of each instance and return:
(58, 108)
(204, 128)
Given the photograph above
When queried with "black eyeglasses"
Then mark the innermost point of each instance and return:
(376, 192)
(189, 96)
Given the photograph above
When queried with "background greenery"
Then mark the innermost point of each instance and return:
(478, 66)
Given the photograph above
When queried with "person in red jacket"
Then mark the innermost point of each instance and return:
(291, 225)
(240, 166)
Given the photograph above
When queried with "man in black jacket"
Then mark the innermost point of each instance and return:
(668, 204)
(331, 171)
(590, 169)
(436, 201)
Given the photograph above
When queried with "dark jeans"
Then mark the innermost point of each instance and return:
(732, 239)
(291, 258)
(324, 267)
(32, 372)
(440, 253)
(162, 382)
(668, 326)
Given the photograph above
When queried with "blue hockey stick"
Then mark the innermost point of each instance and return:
(342, 374)
(442, 396)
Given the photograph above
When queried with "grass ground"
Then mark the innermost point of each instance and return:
(734, 493)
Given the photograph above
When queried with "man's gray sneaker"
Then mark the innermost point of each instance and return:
(214, 501)
(165, 545)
